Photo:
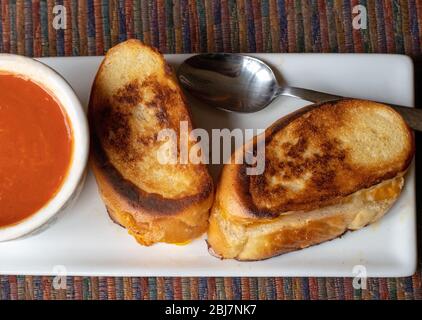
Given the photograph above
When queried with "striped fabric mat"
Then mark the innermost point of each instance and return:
(182, 26)
(179, 26)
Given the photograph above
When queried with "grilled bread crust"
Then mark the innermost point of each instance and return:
(133, 98)
(329, 168)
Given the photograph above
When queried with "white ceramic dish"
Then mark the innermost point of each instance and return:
(86, 242)
(60, 89)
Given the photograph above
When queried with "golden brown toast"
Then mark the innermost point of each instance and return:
(134, 96)
(329, 168)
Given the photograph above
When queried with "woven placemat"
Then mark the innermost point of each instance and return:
(183, 26)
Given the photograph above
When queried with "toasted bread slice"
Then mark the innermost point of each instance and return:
(329, 168)
(134, 96)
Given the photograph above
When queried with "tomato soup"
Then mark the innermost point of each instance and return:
(36, 148)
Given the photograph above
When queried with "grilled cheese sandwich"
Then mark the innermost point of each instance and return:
(133, 98)
(330, 168)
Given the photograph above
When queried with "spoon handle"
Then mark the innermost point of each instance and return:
(412, 116)
(307, 94)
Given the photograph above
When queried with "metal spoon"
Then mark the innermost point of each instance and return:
(240, 83)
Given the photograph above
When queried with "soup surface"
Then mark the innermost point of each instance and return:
(35, 148)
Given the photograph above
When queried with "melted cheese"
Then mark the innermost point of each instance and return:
(385, 190)
(389, 189)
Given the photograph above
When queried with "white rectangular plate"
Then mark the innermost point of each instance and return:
(84, 241)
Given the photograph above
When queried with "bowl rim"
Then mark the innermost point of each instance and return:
(51, 81)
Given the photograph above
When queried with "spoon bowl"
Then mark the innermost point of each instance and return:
(229, 81)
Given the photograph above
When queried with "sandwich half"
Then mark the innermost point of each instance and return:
(135, 97)
(329, 168)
